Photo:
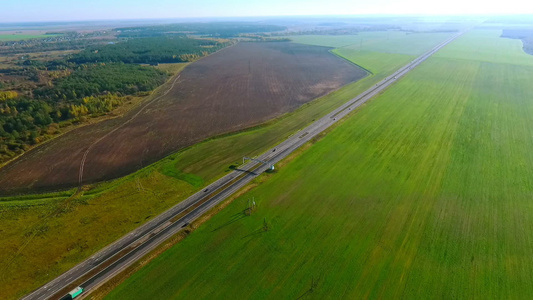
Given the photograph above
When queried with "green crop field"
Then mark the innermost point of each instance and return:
(501, 50)
(37, 245)
(382, 41)
(424, 193)
(20, 37)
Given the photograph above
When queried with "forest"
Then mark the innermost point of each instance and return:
(150, 50)
(97, 79)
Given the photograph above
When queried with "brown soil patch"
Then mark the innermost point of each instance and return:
(238, 87)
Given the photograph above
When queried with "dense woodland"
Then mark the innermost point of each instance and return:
(98, 79)
(150, 50)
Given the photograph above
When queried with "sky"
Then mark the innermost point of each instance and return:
(81, 10)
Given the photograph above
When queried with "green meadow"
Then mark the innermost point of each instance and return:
(42, 236)
(381, 41)
(423, 193)
(20, 37)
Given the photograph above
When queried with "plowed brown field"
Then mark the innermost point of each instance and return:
(236, 88)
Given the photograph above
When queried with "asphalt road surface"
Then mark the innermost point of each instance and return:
(111, 260)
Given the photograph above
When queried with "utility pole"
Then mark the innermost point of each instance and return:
(265, 225)
(251, 206)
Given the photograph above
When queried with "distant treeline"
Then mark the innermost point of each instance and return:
(512, 19)
(40, 45)
(219, 29)
(150, 50)
(66, 41)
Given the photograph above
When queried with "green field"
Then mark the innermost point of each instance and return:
(424, 193)
(37, 245)
(501, 50)
(382, 41)
(20, 37)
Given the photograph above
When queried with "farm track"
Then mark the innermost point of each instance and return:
(82, 163)
(126, 251)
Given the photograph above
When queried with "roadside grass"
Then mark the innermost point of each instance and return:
(425, 192)
(378, 64)
(38, 246)
(41, 242)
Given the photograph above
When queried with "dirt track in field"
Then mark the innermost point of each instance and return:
(238, 87)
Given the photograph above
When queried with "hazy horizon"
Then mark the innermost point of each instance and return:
(24, 11)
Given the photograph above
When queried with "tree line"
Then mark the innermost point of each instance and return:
(215, 29)
(97, 79)
(150, 50)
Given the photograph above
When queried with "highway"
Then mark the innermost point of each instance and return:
(114, 258)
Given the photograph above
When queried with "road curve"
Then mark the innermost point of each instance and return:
(114, 258)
